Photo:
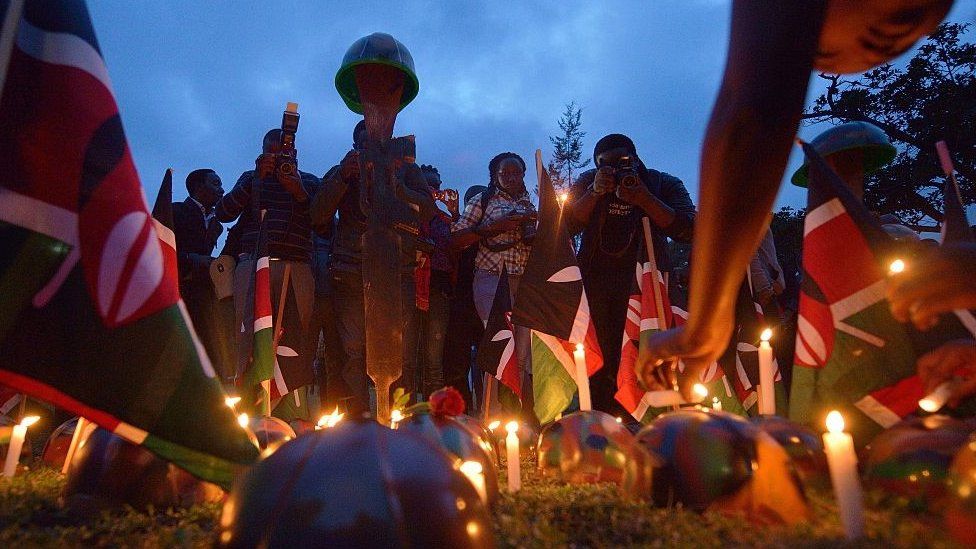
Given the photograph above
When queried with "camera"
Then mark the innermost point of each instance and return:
(286, 152)
(626, 173)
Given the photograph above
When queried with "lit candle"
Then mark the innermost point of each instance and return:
(231, 402)
(897, 266)
(716, 404)
(934, 401)
(842, 461)
(243, 420)
(329, 420)
(17, 444)
(661, 399)
(767, 373)
(582, 379)
(73, 446)
(476, 474)
(396, 416)
(512, 451)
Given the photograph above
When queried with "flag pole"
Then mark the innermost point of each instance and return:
(8, 37)
(658, 298)
(73, 446)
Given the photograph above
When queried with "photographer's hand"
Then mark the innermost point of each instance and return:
(637, 195)
(264, 165)
(508, 223)
(293, 184)
(603, 181)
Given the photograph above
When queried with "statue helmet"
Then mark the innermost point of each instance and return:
(874, 143)
(379, 48)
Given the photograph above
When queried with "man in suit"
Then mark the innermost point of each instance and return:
(196, 231)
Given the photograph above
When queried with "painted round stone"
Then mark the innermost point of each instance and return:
(459, 441)
(108, 472)
(358, 484)
(960, 512)
(271, 432)
(590, 447)
(56, 448)
(911, 459)
(802, 444)
(481, 431)
(716, 460)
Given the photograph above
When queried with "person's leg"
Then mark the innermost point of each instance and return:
(456, 358)
(351, 323)
(436, 328)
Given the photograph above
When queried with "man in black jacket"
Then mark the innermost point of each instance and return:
(607, 205)
(196, 231)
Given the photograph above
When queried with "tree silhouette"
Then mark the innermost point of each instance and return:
(567, 148)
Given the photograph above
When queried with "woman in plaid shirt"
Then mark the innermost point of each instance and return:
(501, 222)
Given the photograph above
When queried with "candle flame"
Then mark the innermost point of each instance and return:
(243, 420)
(563, 197)
(700, 390)
(329, 420)
(929, 405)
(835, 422)
(494, 425)
(231, 402)
(470, 468)
(579, 348)
(29, 420)
(396, 416)
(766, 335)
(897, 266)
(512, 426)
(620, 419)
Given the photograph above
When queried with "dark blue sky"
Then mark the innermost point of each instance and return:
(198, 83)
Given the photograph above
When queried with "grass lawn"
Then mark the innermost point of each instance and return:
(543, 514)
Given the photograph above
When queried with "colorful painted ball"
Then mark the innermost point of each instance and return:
(56, 448)
(720, 461)
(911, 459)
(271, 432)
(589, 447)
(357, 484)
(480, 430)
(461, 443)
(109, 472)
(960, 512)
(802, 444)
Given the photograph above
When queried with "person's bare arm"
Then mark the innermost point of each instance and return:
(747, 144)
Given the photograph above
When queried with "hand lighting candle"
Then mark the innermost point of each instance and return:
(582, 379)
(16, 445)
(842, 461)
(767, 375)
(512, 452)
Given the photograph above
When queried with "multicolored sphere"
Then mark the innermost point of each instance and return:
(271, 432)
(480, 430)
(912, 458)
(960, 512)
(715, 460)
(803, 445)
(109, 472)
(589, 447)
(357, 484)
(462, 443)
(56, 448)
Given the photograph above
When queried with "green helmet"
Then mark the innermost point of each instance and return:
(380, 48)
(878, 151)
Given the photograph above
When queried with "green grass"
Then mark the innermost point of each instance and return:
(543, 514)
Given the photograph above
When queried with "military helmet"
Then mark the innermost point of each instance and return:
(379, 48)
(876, 147)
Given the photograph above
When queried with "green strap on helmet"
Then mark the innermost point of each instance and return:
(377, 48)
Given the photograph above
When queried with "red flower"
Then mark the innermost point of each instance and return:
(446, 402)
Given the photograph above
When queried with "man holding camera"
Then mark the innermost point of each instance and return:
(606, 205)
(283, 193)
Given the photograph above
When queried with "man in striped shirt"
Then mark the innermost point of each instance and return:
(285, 199)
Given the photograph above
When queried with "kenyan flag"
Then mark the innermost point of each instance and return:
(552, 302)
(496, 354)
(851, 355)
(255, 384)
(91, 318)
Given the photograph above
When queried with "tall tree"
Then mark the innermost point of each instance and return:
(567, 148)
(928, 99)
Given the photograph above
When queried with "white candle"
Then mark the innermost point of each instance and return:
(934, 401)
(842, 461)
(716, 404)
(767, 373)
(582, 379)
(73, 446)
(512, 451)
(16, 445)
(476, 474)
